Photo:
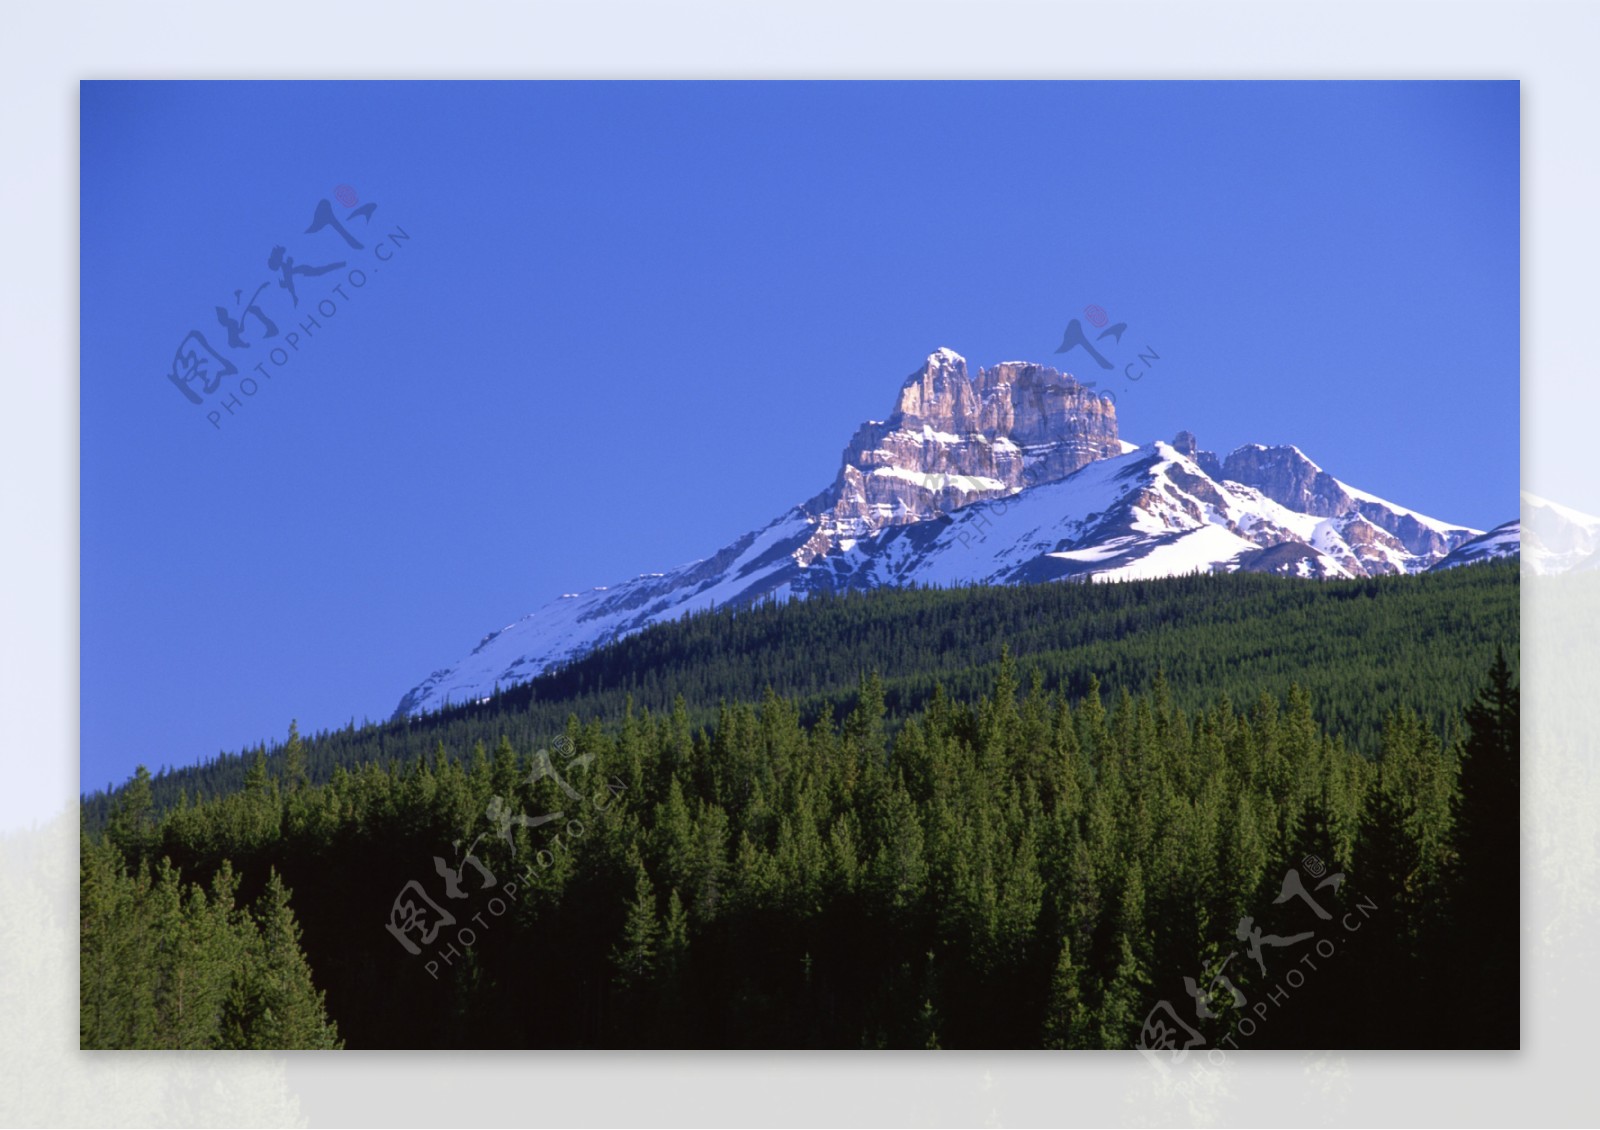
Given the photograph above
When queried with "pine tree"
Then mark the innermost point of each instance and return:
(899, 868)
(709, 862)
(674, 968)
(1130, 922)
(132, 824)
(634, 956)
(1485, 878)
(844, 855)
(1066, 1020)
(1487, 810)
(672, 839)
(1083, 901)
(295, 773)
(260, 811)
(1122, 1005)
(1021, 900)
(274, 1002)
(675, 937)
(864, 727)
(116, 1006)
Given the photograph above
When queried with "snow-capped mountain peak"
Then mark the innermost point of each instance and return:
(1558, 538)
(1015, 475)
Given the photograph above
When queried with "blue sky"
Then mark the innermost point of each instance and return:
(632, 321)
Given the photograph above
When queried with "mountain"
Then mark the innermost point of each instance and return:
(1559, 539)
(1505, 540)
(1016, 475)
(951, 442)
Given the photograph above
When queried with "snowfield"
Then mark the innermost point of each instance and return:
(1149, 512)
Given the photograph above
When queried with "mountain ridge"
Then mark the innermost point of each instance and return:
(1022, 454)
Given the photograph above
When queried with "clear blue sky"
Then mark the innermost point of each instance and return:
(634, 321)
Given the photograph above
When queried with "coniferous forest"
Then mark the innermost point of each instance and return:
(1215, 811)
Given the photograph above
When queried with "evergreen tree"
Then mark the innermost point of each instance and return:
(1485, 879)
(274, 1003)
(1067, 1022)
(132, 824)
(635, 953)
(295, 772)
(1122, 1004)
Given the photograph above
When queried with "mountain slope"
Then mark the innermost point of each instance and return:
(1019, 475)
(1505, 540)
(1559, 539)
(1359, 647)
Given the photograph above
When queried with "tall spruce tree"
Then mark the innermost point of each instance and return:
(1484, 882)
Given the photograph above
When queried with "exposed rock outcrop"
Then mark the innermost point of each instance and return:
(953, 440)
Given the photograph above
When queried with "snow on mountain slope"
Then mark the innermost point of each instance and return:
(1015, 476)
(1557, 538)
(576, 623)
(1149, 513)
(1505, 540)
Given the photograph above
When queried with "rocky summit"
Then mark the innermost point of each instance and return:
(1017, 475)
(952, 441)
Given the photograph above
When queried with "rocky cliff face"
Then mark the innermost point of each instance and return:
(952, 441)
(1287, 477)
(1376, 530)
(1207, 461)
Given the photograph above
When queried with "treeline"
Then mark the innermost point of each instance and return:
(1022, 867)
(1361, 648)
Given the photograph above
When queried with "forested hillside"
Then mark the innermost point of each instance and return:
(1036, 860)
(1360, 648)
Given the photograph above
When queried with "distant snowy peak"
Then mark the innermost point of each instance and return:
(1149, 512)
(1363, 533)
(1557, 538)
(1016, 475)
(1505, 540)
(1549, 538)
